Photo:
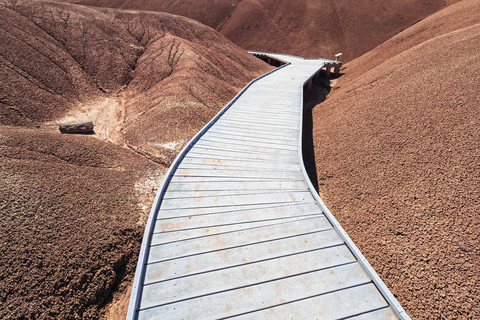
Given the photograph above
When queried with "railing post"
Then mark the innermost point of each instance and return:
(337, 71)
(309, 84)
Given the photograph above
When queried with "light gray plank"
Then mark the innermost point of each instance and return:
(225, 132)
(271, 168)
(229, 163)
(382, 314)
(250, 148)
(161, 252)
(335, 305)
(215, 179)
(264, 295)
(267, 129)
(222, 154)
(271, 120)
(262, 142)
(256, 131)
(215, 260)
(240, 213)
(246, 275)
(250, 173)
(240, 123)
(169, 232)
(270, 113)
(251, 109)
(247, 143)
(287, 208)
(279, 185)
(227, 152)
(222, 193)
(236, 200)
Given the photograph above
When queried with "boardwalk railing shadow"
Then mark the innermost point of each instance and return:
(312, 97)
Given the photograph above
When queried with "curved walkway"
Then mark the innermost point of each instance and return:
(237, 230)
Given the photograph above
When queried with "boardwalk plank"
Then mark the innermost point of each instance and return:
(221, 259)
(245, 275)
(335, 305)
(382, 314)
(223, 201)
(169, 232)
(278, 185)
(240, 299)
(160, 251)
(236, 214)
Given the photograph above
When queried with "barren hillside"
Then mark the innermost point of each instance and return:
(72, 207)
(72, 211)
(398, 161)
(135, 70)
(396, 141)
(311, 28)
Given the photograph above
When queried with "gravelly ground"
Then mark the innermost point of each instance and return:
(398, 162)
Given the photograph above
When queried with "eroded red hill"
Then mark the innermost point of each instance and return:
(73, 207)
(396, 146)
(126, 70)
(310, 28)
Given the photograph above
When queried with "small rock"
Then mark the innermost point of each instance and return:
(80, 127)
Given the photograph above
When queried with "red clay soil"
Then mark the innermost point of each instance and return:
(73, 207)
(213, 13)
(210, 12)
(149, 70)
(71, 222)
(398, 161)
(310, 28)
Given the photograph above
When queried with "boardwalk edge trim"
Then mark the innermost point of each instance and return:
(387, 295)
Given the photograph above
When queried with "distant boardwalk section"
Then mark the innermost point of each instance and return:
(238, 231)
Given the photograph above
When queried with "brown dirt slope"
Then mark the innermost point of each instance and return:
(212, 13)
(73, 207)
(62, 60)
(71, 222)
(311, 28)
(398, 161)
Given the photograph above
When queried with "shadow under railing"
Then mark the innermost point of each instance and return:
(314, 94)
(271, 61)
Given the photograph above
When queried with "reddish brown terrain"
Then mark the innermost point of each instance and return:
(396, 141)
(310, 28)
(73, 207)
(397, 147)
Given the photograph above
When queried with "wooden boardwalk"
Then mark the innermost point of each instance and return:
(237, 230)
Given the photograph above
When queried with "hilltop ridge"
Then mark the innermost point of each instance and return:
(308, 28)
